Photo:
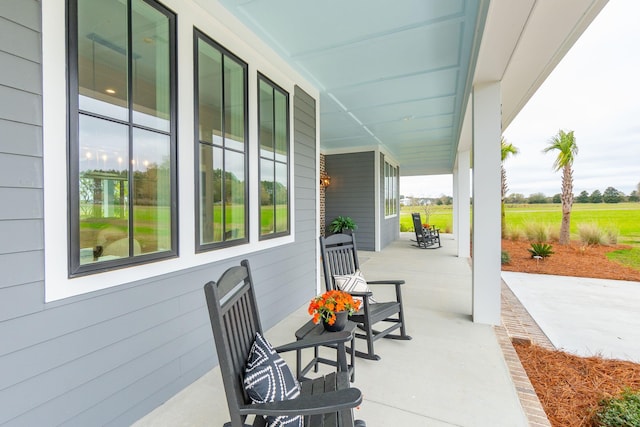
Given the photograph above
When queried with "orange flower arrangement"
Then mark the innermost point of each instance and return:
(326, 306)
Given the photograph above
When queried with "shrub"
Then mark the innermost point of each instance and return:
(541, 249)
(612, 235)
(592, 234)
(620, 411)
(513, 233)
(505, 258)
(536, 231)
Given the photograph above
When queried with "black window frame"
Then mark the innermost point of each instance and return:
(75, 269)
(275, 87)
(205, 247)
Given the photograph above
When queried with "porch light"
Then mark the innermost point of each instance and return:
(325, 180)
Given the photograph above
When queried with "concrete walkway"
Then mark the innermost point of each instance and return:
(453, 372)
(581, 315)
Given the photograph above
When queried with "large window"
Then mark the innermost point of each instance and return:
(390, 189)
(273, 119)
(122, 134)
(221, 145)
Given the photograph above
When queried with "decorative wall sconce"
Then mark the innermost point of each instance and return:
(325, 180)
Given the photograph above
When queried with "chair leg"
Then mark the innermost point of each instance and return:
(403, 330)
(370, 354)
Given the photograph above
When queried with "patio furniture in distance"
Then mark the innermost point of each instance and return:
(425, 237)
(324, 401)
(340, 260)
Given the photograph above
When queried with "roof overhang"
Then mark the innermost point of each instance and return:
(398, 76)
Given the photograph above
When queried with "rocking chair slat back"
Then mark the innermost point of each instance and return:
(340, 257)
(234, 321)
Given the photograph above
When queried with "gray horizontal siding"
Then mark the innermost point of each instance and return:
(20, 139)
(25, 13)
(15, 37)
(352, 193)
(20, 171)
(21, 236)
(17, 276)
(109, 357)
(20, 106)
(26, 203)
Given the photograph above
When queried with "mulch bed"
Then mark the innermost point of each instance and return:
(570, 387)
(571, 260)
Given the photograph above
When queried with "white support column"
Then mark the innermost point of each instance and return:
(455, 205)
(463, 207)
(486, 203)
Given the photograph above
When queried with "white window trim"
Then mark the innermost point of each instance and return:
(226, 30)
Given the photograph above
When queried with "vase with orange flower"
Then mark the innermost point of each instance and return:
(333, 309)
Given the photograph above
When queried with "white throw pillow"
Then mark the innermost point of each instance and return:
(353, 283)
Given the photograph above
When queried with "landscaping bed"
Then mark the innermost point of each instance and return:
(571, 260)
(570, 387)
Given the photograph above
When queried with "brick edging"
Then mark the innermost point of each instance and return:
(518, 325)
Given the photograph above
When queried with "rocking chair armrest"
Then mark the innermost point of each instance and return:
(308, 404)
(385, 282)
(315, 341)
(361, 294)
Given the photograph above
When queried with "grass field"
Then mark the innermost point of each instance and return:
(623, 217)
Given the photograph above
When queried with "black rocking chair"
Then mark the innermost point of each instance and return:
(340, 257)
(323, 401)
(425, 237)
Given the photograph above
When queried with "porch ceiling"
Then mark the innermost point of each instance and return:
(397, 75)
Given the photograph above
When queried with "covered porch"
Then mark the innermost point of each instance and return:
(453, 373)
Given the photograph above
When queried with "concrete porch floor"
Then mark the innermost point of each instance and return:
(453, 372)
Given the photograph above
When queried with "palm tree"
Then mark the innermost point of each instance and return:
(567, 148)
(506, 149)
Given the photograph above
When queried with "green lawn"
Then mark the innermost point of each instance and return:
(625, 217)
(621, 217)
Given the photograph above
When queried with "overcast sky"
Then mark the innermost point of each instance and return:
(594, 91)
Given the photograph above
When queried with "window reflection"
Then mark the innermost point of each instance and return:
(273, 114)
(150, 67)
(102, 58)
(123, 147)
(221, 123)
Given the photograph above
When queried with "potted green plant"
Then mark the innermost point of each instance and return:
(341, 224)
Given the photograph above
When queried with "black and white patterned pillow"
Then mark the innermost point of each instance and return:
(353, 283)
(267, 378)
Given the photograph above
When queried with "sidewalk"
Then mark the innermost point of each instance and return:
(581, 315)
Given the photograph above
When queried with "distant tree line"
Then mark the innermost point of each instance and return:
(423, 201)
(610, 195)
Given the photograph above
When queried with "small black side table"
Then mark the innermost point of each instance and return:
(311, 329)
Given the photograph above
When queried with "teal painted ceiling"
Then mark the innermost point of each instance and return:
(391, 74)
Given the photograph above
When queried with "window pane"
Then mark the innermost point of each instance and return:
(234, 195)
(103, 190)
(102, 58)
(280, 123)
(210, 194)
(267, 197)
(151, 192)
(234, 98)
(266, 120)
(282, 198)
(209, 93)
(151, 72)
